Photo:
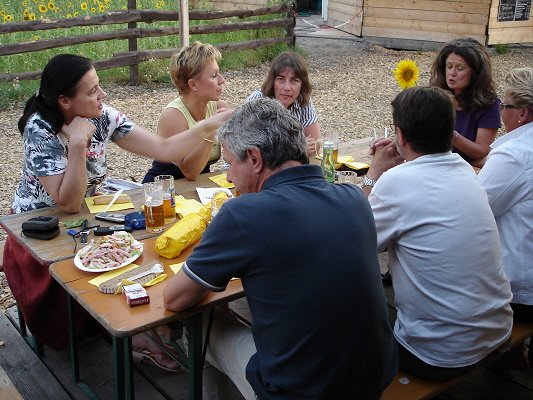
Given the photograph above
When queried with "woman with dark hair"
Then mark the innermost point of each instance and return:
(463, 67)
(66, 128)
(195, 73)
(288, 82)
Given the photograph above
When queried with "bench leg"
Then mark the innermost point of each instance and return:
(35, 344)
(530, 352)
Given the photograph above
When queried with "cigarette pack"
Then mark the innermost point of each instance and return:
(135, 295)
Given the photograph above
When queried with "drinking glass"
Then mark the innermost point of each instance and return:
(169, 197)
(333, 137)
(153, 206)
(347, 177)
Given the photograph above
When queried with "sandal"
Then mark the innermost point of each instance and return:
(157, 358)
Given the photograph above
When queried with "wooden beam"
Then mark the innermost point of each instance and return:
(415, 35)
(133, 33)
(425, 15)
(430, 5)
(428, 26)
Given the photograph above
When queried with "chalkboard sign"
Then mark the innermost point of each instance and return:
(514, 10)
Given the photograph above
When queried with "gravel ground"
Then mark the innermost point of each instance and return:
(353, 86)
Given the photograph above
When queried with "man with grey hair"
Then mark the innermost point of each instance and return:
(306, 253)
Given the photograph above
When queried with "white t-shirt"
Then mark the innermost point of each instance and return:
(451, 292)
(508, 179)
(305, 115)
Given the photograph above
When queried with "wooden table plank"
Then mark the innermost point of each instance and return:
(62, 247)
(113, 312)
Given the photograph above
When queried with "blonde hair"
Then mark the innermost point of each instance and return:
(189, 62)
(519, 85)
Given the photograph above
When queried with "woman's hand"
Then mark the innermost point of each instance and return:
(79, 132)
(210, 125)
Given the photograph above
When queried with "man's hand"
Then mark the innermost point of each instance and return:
(385, 157)
(379, 142)
(311, 145)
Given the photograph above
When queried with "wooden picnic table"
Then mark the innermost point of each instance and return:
(122, 321)
(111, 311)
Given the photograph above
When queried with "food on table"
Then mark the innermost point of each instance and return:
(110, 251)
(106, 199)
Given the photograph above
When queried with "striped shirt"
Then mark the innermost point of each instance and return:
(306, 115)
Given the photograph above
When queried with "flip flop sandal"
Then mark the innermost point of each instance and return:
(154, 358)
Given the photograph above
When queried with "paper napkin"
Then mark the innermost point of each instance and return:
(221, 181)
(187, 206)
(96, 208)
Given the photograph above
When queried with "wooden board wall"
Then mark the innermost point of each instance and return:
(346, 15)
(427, 20)
(508, 32)
(430, 20)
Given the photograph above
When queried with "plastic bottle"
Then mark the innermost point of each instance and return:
(328, 166)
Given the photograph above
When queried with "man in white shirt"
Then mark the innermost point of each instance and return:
(433, 216)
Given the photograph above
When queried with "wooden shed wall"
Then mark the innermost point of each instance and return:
(430, 20)
(508, 32)
(346, 14)
(427, 20)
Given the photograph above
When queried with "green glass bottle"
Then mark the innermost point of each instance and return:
(328, 166)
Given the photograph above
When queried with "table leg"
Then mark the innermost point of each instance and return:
(73, 347)
(73, 343)
(123, 369)
(195, 358)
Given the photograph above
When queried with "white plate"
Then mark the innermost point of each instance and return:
(78, 263)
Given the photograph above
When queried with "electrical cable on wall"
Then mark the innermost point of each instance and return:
(359, 14)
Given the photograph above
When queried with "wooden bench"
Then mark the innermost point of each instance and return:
(22, 373)
(408, 387)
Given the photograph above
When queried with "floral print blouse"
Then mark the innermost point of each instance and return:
(46, 154)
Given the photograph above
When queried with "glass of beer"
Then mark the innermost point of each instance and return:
(153, 206)
(169, 197)
(332, 137)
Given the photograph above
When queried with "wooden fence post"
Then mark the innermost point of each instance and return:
(290, 28)
(184, 22)
(132, 46)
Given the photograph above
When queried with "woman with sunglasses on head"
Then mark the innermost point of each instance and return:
(288, 82)
(508, 181)
(463, 67)
(66, 127)
(195, 73)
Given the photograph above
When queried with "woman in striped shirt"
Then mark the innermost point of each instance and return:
(288, 82)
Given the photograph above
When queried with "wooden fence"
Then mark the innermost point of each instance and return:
(133, 57)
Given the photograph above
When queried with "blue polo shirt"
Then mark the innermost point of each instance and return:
(306, 253)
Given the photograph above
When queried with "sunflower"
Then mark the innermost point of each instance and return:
(406, 73)
(42, 8)
(83, 6)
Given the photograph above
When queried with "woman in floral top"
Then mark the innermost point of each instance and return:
(66, 129)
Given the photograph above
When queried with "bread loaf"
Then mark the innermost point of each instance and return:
(106, 199)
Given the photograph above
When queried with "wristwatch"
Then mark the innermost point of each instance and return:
(368, 182)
